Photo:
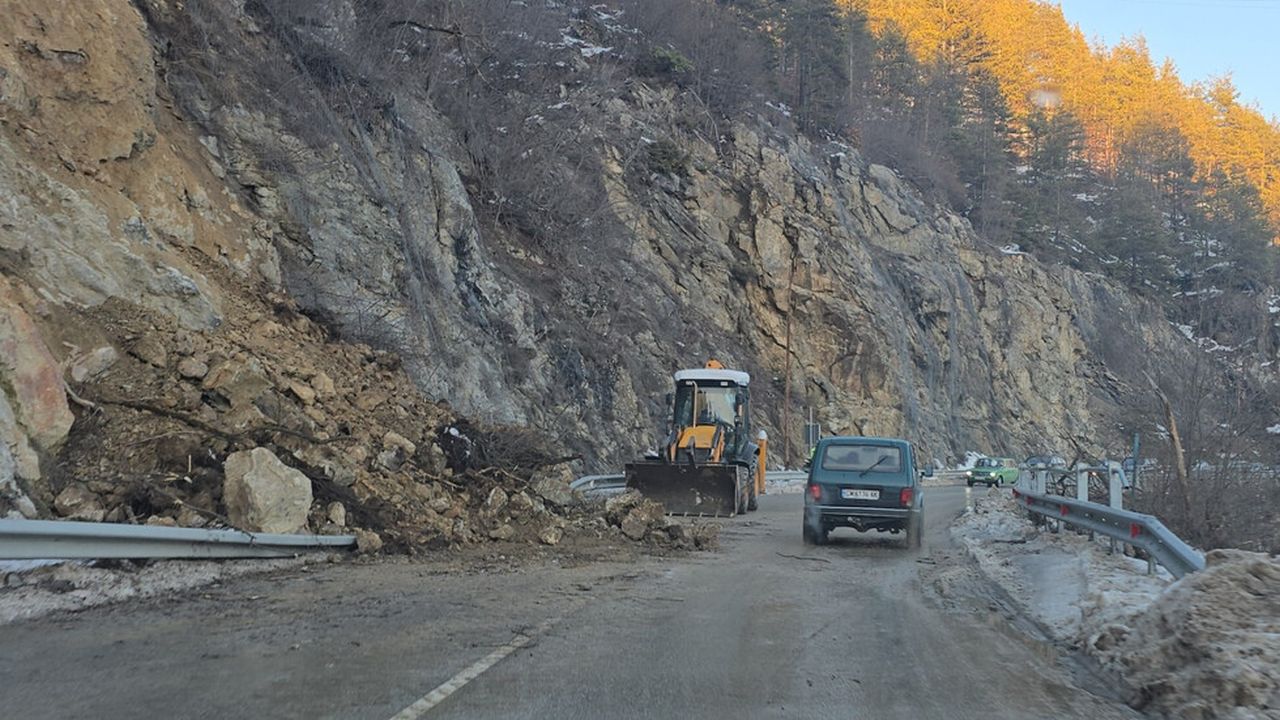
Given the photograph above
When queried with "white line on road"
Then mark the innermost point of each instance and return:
(473, 671)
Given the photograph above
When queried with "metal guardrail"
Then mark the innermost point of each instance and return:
(599, 484)
(70, 540)
(1144, 532)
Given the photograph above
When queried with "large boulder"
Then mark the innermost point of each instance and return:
(263, 494)
(33, 401)
(645, 514)
(552, 485)
(14, 502)
(77, 503)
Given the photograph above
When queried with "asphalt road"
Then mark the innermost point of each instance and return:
(765, 627)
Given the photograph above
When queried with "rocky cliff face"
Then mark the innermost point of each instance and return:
(183, 170)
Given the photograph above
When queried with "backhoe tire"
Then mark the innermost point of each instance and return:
(752, 505)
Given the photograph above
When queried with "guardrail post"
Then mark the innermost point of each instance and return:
(1116, 486)
(1082, 485)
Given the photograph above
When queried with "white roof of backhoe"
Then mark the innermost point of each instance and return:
(709, 374)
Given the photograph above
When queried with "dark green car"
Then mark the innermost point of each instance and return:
(866, 484)
(993, 471)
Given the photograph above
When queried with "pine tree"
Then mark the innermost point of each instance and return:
(1054, 175)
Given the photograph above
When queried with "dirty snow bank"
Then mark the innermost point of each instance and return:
(1207, 646)
(1064, 581)
(785, 482)
(33, 593)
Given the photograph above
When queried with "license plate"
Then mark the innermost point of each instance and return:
(856, 494)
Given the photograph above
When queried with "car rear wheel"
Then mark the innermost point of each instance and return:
(814, 536)
(914, 530)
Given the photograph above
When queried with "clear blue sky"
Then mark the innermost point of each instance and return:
(1205, 38)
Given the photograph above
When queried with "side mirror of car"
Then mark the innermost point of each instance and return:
(926, 473)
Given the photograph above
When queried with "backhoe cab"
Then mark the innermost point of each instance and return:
(709, 463)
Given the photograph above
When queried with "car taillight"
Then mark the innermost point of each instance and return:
(904, 497)
(815, 491)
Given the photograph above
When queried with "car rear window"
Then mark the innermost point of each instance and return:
(856, 458)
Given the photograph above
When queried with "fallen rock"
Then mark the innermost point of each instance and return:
(502, 532)
(150, 350)
(616, 507)
(189, 517)
(367, 541)
(434, 460)
(337, 513)
(17, 457)
(390, 459)
(93, 364)
(635, 526)
(239, 383)
(370, 400)
(520, 505)
(263, 494)
(680, 534)
(302, 391)
(322, 384)
(14, 503)
(496, 500)
(77, 503)
(653, 512)
(706, 535)
(35, 408)
(659, 537)
(193, 368)
(551, 535)
(552, 484)
(394, 439)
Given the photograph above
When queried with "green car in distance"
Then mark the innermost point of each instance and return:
(993, 471)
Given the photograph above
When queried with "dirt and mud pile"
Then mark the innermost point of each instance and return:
(1205, 646)
(1208, 647)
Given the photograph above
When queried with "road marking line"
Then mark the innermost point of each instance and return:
(473, 671)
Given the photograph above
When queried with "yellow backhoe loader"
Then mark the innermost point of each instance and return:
(710, 463)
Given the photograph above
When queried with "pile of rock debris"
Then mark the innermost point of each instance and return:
(268, 423)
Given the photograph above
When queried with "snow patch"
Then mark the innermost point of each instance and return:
(1207, 645)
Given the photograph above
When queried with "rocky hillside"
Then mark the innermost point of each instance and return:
(228, 224)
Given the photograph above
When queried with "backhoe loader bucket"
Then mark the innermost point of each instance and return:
(714, 490)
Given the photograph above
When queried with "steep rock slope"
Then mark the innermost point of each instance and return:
(903, 320)
(191, 175)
